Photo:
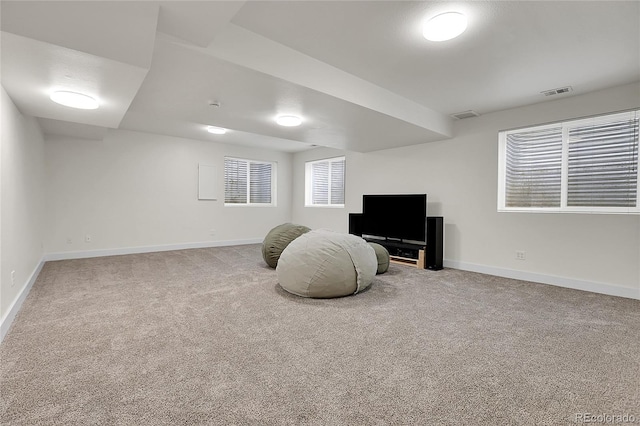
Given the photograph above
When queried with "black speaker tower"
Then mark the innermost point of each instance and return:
(355, 224)
(433, 251)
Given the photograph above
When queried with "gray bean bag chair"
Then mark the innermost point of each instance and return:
(278, 239)
(324, 264)
(382, 254)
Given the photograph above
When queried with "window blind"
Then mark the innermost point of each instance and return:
(247, 182)
(235, 181)
(320, 183)
(337, 182)
(603, 164)
(325, 182)
(534, 168)
(260, 183)
(588, 165)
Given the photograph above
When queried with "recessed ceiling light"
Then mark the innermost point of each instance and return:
(289, 120)
(445, 26)
(74, 100)
(216, 130)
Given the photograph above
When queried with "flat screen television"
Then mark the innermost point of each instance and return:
(396, 216)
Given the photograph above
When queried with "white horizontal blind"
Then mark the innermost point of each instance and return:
(534, 168)
(325, 182)
(235, 181)
(603, 164)
(260, 183)
(583, 165)
(337, 182)
(320, 183)
(247, 182)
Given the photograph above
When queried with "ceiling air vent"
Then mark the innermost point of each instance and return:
(557, 91)
(465, 114)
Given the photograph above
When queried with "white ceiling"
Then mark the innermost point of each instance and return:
(359, 72)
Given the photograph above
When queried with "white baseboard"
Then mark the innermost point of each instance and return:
(594, 287)
(66, 255)
(17, 303)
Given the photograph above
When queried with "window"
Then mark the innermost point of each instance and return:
(248, 182)
(324, 182)
(587, 165)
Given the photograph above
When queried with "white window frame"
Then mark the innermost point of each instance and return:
(564, 208)
(308, 201)
(274, 183)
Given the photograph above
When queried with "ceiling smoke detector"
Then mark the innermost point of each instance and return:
(464, 114)
(557, 91)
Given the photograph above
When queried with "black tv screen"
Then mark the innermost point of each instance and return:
(397, 216)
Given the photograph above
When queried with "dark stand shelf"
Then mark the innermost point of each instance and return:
(427, 257)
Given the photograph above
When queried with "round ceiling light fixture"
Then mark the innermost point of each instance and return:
(74, 100)
(288, 120)
(445, 26)
(216, 130)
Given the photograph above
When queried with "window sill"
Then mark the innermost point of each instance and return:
(248, 205)
(585, 210)
(326, 206)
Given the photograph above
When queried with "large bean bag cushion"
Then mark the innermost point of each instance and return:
(326, 264)
(278, 239)
(382, 254)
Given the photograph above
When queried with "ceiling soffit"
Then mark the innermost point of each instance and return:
(36, 69)
(123, 31)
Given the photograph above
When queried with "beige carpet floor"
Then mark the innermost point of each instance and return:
(207, 336)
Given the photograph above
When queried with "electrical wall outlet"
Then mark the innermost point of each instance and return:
(13, 278)
(212, 232)
(69, 241)
(520, 255)
(87, 238)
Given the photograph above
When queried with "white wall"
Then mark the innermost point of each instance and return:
(21, 202)
(136, 189)
(460, 176)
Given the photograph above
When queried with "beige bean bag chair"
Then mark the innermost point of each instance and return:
(382, 255)
(324, 264)
(278, 239)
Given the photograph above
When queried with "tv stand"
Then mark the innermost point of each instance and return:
(423, 257)
(418, 263)
(402, 253)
